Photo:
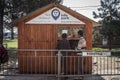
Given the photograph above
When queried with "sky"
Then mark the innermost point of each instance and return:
(84, 7)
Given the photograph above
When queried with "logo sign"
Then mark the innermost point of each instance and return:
(55, 14)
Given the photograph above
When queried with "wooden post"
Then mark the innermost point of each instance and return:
(88, 32)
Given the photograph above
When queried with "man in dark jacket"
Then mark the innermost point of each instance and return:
(64, 45)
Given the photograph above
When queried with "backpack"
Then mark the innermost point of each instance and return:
(3, 55)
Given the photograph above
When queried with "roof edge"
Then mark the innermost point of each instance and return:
(49, 6)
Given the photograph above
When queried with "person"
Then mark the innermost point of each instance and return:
(82, 41)
(3, 54)
(81, 46)
(64, 44)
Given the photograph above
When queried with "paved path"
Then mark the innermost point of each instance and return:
(105, 70)
(55, 78)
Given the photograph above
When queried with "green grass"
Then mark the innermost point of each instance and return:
(98, 49)
(11, 44)
(112, 53)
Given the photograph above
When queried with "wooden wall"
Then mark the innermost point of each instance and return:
(35, 36)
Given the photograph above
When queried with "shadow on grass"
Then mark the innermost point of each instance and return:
(12, 48)
(9, 40)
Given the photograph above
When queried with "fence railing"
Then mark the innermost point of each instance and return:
(61, 63)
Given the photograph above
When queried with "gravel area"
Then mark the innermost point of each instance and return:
(98, 68)
(54, 78)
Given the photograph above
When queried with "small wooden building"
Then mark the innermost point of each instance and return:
(42, 28)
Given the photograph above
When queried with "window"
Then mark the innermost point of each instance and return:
(71, 31)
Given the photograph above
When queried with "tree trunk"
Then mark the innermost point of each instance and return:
(1, 20)
(12, 33)
(110, 43)
(1, 28)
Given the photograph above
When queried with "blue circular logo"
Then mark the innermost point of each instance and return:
(55, 14)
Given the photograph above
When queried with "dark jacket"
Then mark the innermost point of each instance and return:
(63, 45)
